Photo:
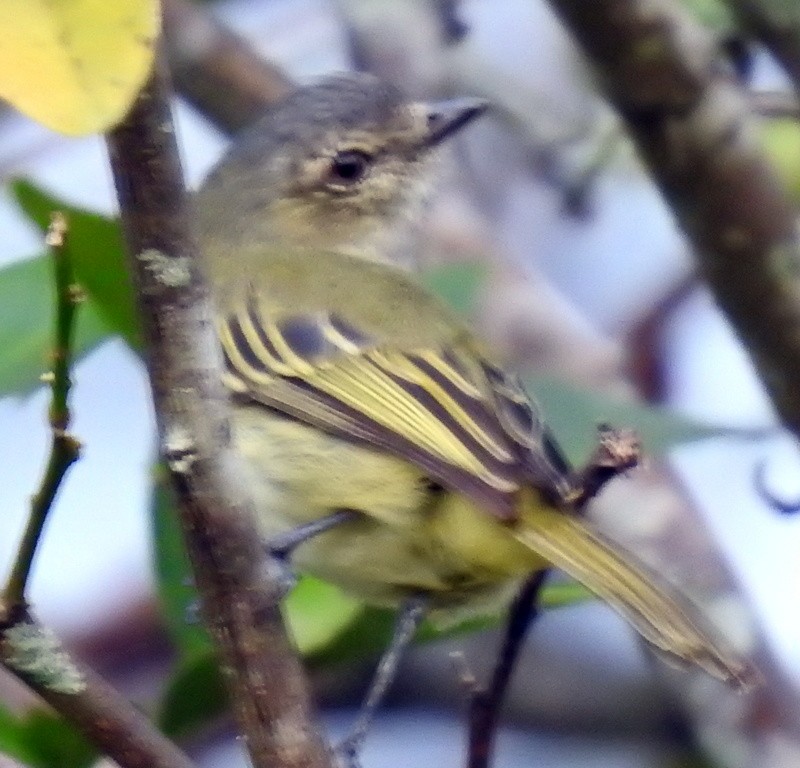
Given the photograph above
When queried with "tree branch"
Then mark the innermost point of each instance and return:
(216, 70)
(240, 598)
(692, 127)
(34, 654)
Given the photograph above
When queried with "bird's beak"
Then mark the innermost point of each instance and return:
(447, 117)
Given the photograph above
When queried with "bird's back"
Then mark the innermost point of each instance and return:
(399, 372)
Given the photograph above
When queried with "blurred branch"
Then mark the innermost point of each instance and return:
(777, 24)
(111, 723)
(64, 448)
(775, 104)
(486, 703)
(216, 70)
(645, 357)
(454, 29)
(691, 125)
(578, 190)
(239, 592)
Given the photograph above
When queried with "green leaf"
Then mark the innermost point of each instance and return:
(366, 636)
(457, 284)
(41, 739)
(57, 743)
(714, 14)
(195, 695)
(26, 333)
(780, 139)
(98, 257)
(559, 594)
(318, 614)
(574, 413)
(563, 594)
(370, 632)
(176, 595)
(12, 739)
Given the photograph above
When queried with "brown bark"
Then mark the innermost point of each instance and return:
(240, 598)
(692, 127)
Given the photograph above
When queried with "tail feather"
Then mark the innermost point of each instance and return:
(665, 619)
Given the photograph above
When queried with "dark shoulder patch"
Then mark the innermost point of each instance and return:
(304, 336)
(465, 422)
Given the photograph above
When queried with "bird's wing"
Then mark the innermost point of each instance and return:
(464, 421)
(672, 625)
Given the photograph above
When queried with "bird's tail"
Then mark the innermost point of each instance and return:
(664, 618)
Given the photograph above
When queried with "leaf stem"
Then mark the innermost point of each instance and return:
(64, 448)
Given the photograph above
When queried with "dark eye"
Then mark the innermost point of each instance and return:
(349, 166)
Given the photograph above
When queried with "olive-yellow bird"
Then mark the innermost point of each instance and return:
(364, 407)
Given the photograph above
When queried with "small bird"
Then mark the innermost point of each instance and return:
(414, 468)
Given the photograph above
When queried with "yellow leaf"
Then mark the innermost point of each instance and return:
(76, 65)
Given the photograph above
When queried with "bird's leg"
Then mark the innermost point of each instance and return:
(617, 451)
(410, 617)
(282, 545)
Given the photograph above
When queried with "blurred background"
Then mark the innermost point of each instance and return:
(549, 234)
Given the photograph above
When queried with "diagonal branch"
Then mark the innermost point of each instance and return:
(692, 127)
(216, 70)
(111, 723)
(240, 602)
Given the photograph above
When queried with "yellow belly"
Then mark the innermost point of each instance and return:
(408, 541)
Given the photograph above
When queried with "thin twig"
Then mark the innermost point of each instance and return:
(617, 452)
(216, 70)
(645, 360)
(693, 128)
(64, 448)
(485, 705)
(239, 593)
(27, 649)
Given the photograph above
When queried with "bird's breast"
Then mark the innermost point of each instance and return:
(409, 539)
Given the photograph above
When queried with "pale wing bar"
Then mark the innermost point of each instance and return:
(454, 415)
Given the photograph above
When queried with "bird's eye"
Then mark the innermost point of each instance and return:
(349, 166)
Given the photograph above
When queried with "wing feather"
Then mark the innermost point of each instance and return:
(664, 618)
(455, 415)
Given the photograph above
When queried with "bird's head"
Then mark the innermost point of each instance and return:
(345, 164)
